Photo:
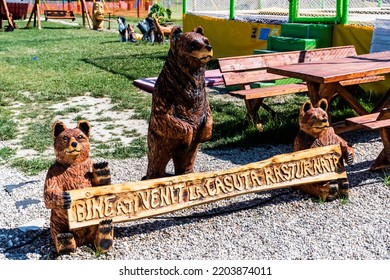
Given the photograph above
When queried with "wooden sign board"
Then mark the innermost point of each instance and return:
(135, 200)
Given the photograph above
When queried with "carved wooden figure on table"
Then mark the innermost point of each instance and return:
(181, 116)
(316, 132)
(73, 169)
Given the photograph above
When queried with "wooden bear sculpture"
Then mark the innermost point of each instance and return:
(181, 116)
(316, 132)
(73, 169)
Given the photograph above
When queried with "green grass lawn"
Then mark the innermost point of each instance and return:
(40, 68)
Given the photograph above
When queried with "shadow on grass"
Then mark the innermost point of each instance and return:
(232, 129)
(63, 27)
(132, 66)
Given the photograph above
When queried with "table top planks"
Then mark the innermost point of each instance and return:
(337, 70)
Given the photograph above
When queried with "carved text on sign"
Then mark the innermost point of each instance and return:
(130, 201)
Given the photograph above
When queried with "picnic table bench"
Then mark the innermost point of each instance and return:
(381, 121)
(59, 14)
(245, 71)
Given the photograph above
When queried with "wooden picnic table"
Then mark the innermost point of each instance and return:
(328, 78)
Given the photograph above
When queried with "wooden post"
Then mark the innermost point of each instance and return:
(3, 5)
(135, 200)
(84, 12)
(36, 14)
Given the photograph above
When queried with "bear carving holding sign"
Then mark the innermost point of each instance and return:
(316, 132)
(73, 169)
(181, 116)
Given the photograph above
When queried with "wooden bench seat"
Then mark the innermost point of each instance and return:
(59, 14)
(380, 121)
(243, 72)
(255, 93)
(264, 92)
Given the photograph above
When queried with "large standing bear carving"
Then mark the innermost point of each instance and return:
(181, 116)
(73, 169)
(316, 132)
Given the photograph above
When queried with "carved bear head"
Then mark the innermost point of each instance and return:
(71, 145)
(191, 48)
(314, 119)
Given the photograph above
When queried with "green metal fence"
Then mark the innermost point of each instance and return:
(301, 11)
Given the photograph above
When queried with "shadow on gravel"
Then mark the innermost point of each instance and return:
(359, 173)
(163, 222)
(11, 187)
(16, 244)
(241, 156)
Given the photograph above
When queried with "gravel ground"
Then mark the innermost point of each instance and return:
(274, 225)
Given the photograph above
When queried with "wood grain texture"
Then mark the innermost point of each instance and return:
(135, 200)
(242, 71)
(336, 70)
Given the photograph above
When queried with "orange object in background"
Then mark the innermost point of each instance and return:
(128, 8)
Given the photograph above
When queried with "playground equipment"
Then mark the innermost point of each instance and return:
(301, 11)
(3, 6)
(52, 12)
(250, 23)
(59, 14)
(56, 14)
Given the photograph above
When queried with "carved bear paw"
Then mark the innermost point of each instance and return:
(66, 200)
(65, 243)
(101, 174)
(105, 236)
(344, 189)
(350, 158)
(330, 191)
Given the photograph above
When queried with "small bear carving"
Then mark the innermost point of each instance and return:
(316, 132)
(180, 116)
(73, 169)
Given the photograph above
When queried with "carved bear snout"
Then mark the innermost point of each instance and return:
(73, 144)
(208, 48)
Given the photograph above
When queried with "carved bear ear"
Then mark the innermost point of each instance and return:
(323, 104)
(57, 128)
(84, 126)
(199, 29)
(176, 31)
(306, 106)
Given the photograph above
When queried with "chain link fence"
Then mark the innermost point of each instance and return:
(362, 12)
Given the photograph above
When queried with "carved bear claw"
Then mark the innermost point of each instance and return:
(350, 158)
(101, 174)
(67, 200)
(344, 189)
(100, 165)
(105, 236)
(65, 243)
